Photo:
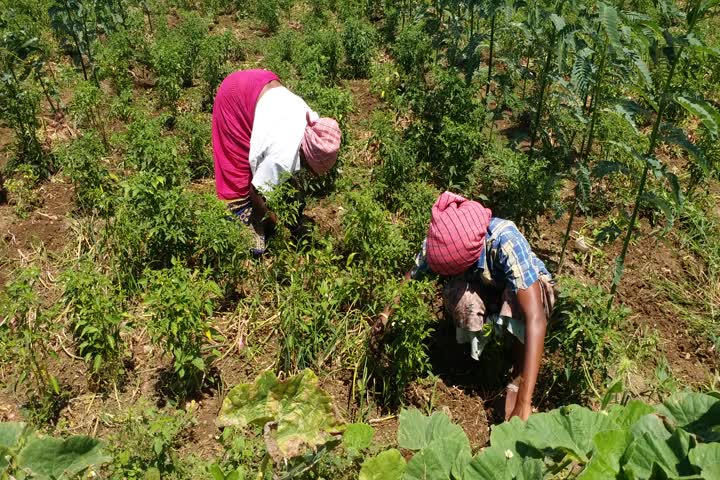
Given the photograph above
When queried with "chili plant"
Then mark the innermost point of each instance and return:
(96, 314)
(180, 302)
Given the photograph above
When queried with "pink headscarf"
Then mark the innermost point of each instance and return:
(457, 234)
(320, 143)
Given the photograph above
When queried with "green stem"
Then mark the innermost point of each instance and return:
(490, 60)
(643, 179)
(566, 237)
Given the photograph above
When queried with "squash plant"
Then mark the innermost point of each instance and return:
(678, 438)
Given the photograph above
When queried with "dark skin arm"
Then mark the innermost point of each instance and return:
(260, 208)
(382, 319)
(530, 300)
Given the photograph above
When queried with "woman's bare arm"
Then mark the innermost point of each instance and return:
(530, 300)
(260, 208)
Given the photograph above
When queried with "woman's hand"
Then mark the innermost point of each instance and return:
(378, 332)
(522, 409)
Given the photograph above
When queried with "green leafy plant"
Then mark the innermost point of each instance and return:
(180, 301)
(406, 356)
(21, 190)
(82, 161)
(586, 336)
(194, 129)
(359, 45)
(635, 440)
(26, 328)
(215, 52)
(28, 454)
(146, 442)
(96, 313)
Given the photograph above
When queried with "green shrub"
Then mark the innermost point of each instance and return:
(149, 151)
(412, 51)
(371, 233)
(399, 165)
(180, 301)
(195, 130)
(268, 12)
(318, 308)
(585, 337)
(147, 441)
(321, 56)
(359, 44)
(94, 185)
(21, 191)
(96, 315)
(415, 202)
(155, 223)
(215, 53)
(406, 343)
(514, 187)
(25, 334)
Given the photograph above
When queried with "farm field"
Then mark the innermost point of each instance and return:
(141, 339)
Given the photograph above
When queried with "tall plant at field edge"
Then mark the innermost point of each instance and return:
(675, 45)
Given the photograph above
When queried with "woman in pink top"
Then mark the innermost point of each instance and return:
(262, 134)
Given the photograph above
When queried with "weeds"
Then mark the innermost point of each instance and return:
(21, 190)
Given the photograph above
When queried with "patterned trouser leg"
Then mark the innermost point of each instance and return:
(242, 210)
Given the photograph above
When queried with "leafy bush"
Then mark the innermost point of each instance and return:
(21, 190)
(147, 442)
(155, 223)
(321, 56)
(96, 314)
(399, 165)
(370, 232)
(514, 187)
(586, 335)
(412, 52)
(317, 307)
(195, 130)
(215, 53)
(180, 300)
(151, 152)
(174, 55)
(82, 161)
(406, 345)
(268, 12)
(415, 202)
(359, 44)
(25, 331)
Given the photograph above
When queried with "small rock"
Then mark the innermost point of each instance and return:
(687, 356)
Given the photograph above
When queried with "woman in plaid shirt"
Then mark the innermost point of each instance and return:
(495, 278)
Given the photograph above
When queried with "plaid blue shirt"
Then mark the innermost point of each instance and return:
(506, 259)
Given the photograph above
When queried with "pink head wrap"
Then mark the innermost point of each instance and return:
(320, 143)
(456, 235)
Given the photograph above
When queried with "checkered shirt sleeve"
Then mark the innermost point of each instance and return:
(515, 259)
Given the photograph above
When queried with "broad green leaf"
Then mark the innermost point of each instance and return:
(625, 416)
(358, 436)
(567, 429)
(695, 412)
(10, 433)
(56, 458)
(655, 449)
(609, 19)
(302, 411)
(427, 464)
(558, 21)
(706, 456)
(416, 431)
(707, 114)
(615, 388)
(388, 465)
(608, 448)
(494, 463)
